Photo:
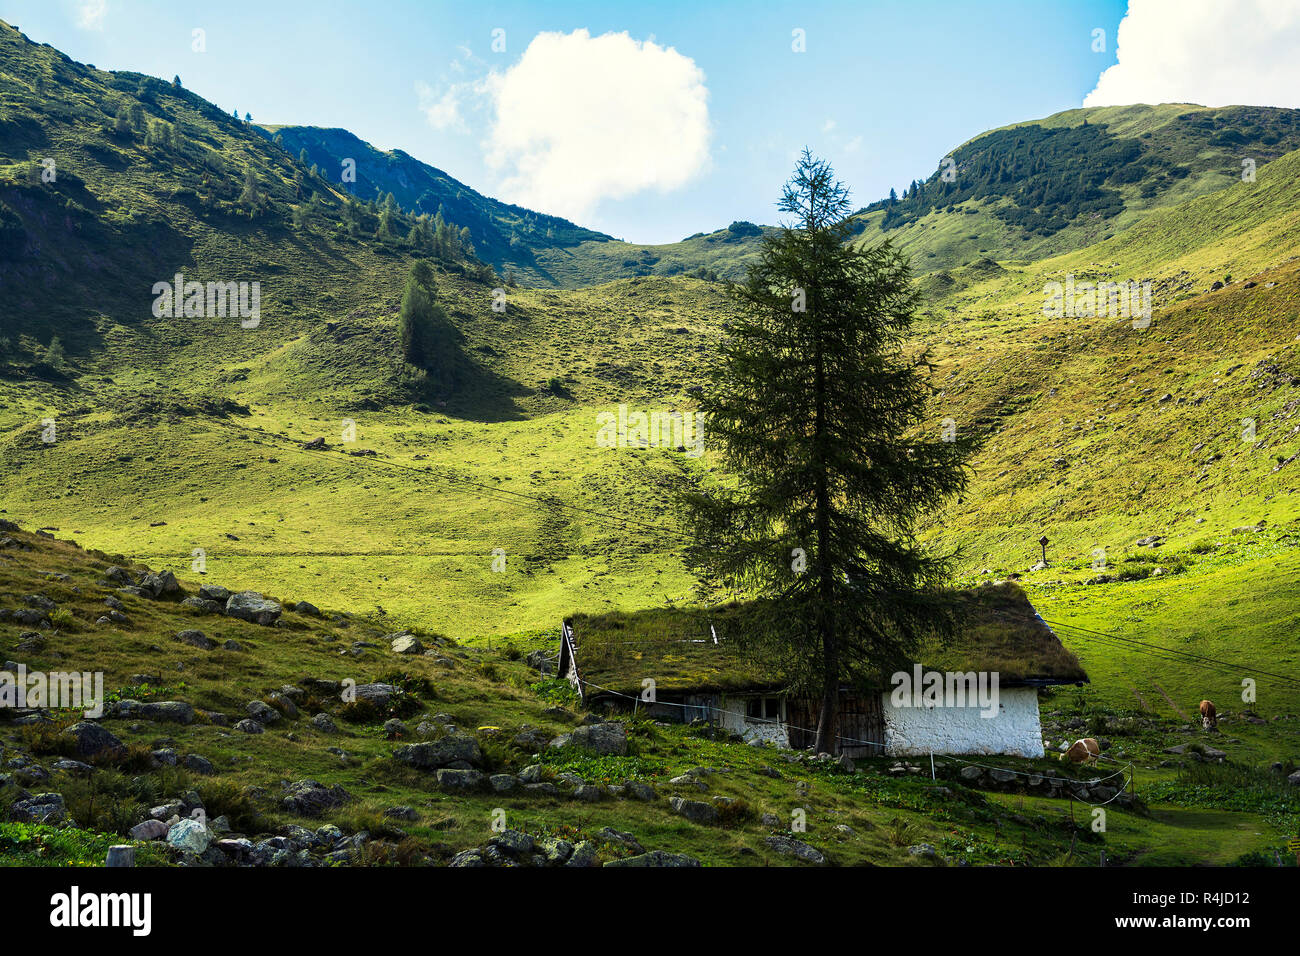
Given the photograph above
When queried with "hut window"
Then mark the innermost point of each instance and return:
(763, 708)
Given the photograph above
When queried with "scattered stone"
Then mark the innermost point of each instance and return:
(407, 644)
(149, 830)
(262, 712)
(455, 750)
(189, 835)
(307, 798)
(196, 639)
(90, 740)
(608, 738)
(694, 810)
(39, 808)
(449, 779)
(251, 606)
(788, 846)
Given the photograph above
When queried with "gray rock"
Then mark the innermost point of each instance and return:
(307, 798)
(189, 835)
(90, 740)
(149, 830)
(377, 694)
(555, 850)
(604, 738)
(640, 791)
(584, 854)
(214, 592)
(694, 810)
(162, 711)
(39, 808)
(513, 842)
(262, 712)
(252, 607)
(460, 779)
(203, 606)
(402, 813)
(503, 782)
(160, 584)
(284, 704)
(452, 749)
(787, 846)
(249, 726)
(196, 639)
(199, 765)
(610, 835)
(324, 722)
(407, 644)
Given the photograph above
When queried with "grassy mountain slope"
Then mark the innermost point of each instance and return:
(503, 234)
(456, 694)
(1050, 186)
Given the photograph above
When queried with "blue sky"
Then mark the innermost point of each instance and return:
(883, 90)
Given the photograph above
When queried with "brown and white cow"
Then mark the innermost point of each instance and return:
(1209, 716)
(1085, 750)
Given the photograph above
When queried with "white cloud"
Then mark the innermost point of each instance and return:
(441, 109)
(581, 119)
(1205, 51)
(91, 13)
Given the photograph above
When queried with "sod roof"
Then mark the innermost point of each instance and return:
(997, 629)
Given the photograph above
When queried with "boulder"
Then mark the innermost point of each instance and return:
(203, 606)
(90, 740)
(694, 810)
(787, 846)
(196, 639)
(460, 779)
(262, 712)
(162, 711)
(609, 738)
(160, 584)
(308, 798)
(214, 592)
(149, 830)
(249, 726)
(407, 644)
(190, 836)
(252, 607)
(39, 808)
(454, 749)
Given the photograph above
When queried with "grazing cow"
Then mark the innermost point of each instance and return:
(1085, 750)
(1209, 716)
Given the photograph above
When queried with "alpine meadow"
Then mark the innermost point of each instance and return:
(351, 517)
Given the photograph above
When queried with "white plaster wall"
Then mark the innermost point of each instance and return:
(1015, 730)
(733, 719)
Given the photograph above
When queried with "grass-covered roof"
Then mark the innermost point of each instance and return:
(996, 629)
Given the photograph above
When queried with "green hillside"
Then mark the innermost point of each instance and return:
(1050, 186)
(502, 234)
(248, 723)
